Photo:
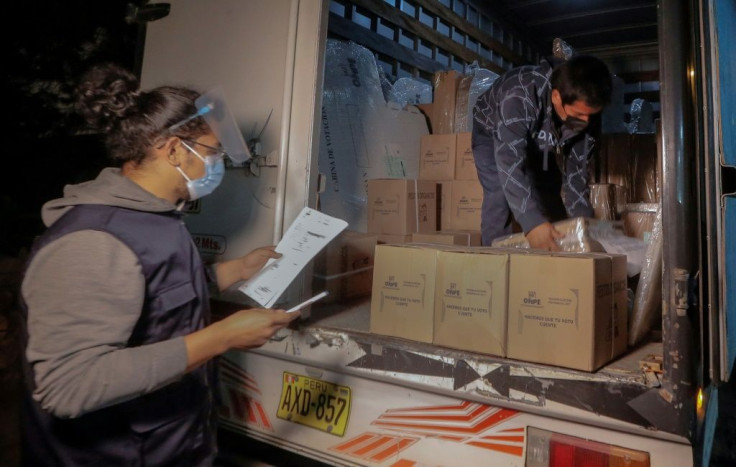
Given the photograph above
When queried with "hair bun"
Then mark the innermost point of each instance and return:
(106, 93)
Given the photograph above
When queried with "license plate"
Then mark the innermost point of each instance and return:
(315, 403)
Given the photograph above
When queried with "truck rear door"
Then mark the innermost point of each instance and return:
(267, 56)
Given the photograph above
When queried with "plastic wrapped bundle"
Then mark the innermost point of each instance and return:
(648, 297)
(561, 49)
(603, 200)
(577, 237)
(408, 91)
(642, 117)
(639, 220)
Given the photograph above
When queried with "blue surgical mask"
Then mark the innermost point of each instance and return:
(214, 167)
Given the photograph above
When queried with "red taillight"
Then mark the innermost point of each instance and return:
(549, 449)
(563, 454)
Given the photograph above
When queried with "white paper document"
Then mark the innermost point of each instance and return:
(308, 234)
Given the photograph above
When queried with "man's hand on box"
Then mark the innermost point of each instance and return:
(544, 237)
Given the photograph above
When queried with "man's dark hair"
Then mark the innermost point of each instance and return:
(585, 78)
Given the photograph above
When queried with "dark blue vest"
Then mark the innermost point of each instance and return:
(172, 425)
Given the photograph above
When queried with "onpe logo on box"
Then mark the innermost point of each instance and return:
(532, 300)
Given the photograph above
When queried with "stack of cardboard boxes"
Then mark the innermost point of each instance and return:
(560, 309)
(446, 154)
(448, 161)
(345, 266)
(443, 205)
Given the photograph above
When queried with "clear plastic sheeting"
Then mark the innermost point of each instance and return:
(586, 235)
(614, 240)
(386, 83)
(648, 297)
(562, 49)
(577, 238)
(361, 135)
(639, 220)
(469, 87)
(642, 117)
(603, 201)
(408, 91)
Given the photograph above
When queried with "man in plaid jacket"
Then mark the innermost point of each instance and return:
(534, 131)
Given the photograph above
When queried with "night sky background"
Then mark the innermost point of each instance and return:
(48, 45)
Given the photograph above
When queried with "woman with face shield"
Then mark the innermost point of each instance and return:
(119, 343)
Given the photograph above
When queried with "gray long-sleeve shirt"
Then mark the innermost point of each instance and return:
(84, 293)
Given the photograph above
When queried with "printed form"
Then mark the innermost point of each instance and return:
(308, 234)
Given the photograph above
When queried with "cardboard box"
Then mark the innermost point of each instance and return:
(463, 108)
(464, 161)
(444, 199)
(444, 84)
(465, 208)
(471, 300)
(389, 239)
(567, 310)
(437, 157)
(639, 220)
(449, 237)
(345, 266)
(402, 303)
(400, 206)
(428, 111)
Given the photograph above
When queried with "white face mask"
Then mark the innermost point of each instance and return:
(214, 172)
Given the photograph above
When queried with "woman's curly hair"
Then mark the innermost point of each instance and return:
(110, 101)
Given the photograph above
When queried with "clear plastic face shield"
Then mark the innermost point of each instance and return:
(213, 108)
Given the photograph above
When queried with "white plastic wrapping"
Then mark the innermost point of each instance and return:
(648, 298)
(577, 237)
(408, 91)
(585, 235)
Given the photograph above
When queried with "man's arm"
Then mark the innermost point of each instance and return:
(517, 118)
(575, 189)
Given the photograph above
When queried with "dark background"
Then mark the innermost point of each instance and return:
(47, 45)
